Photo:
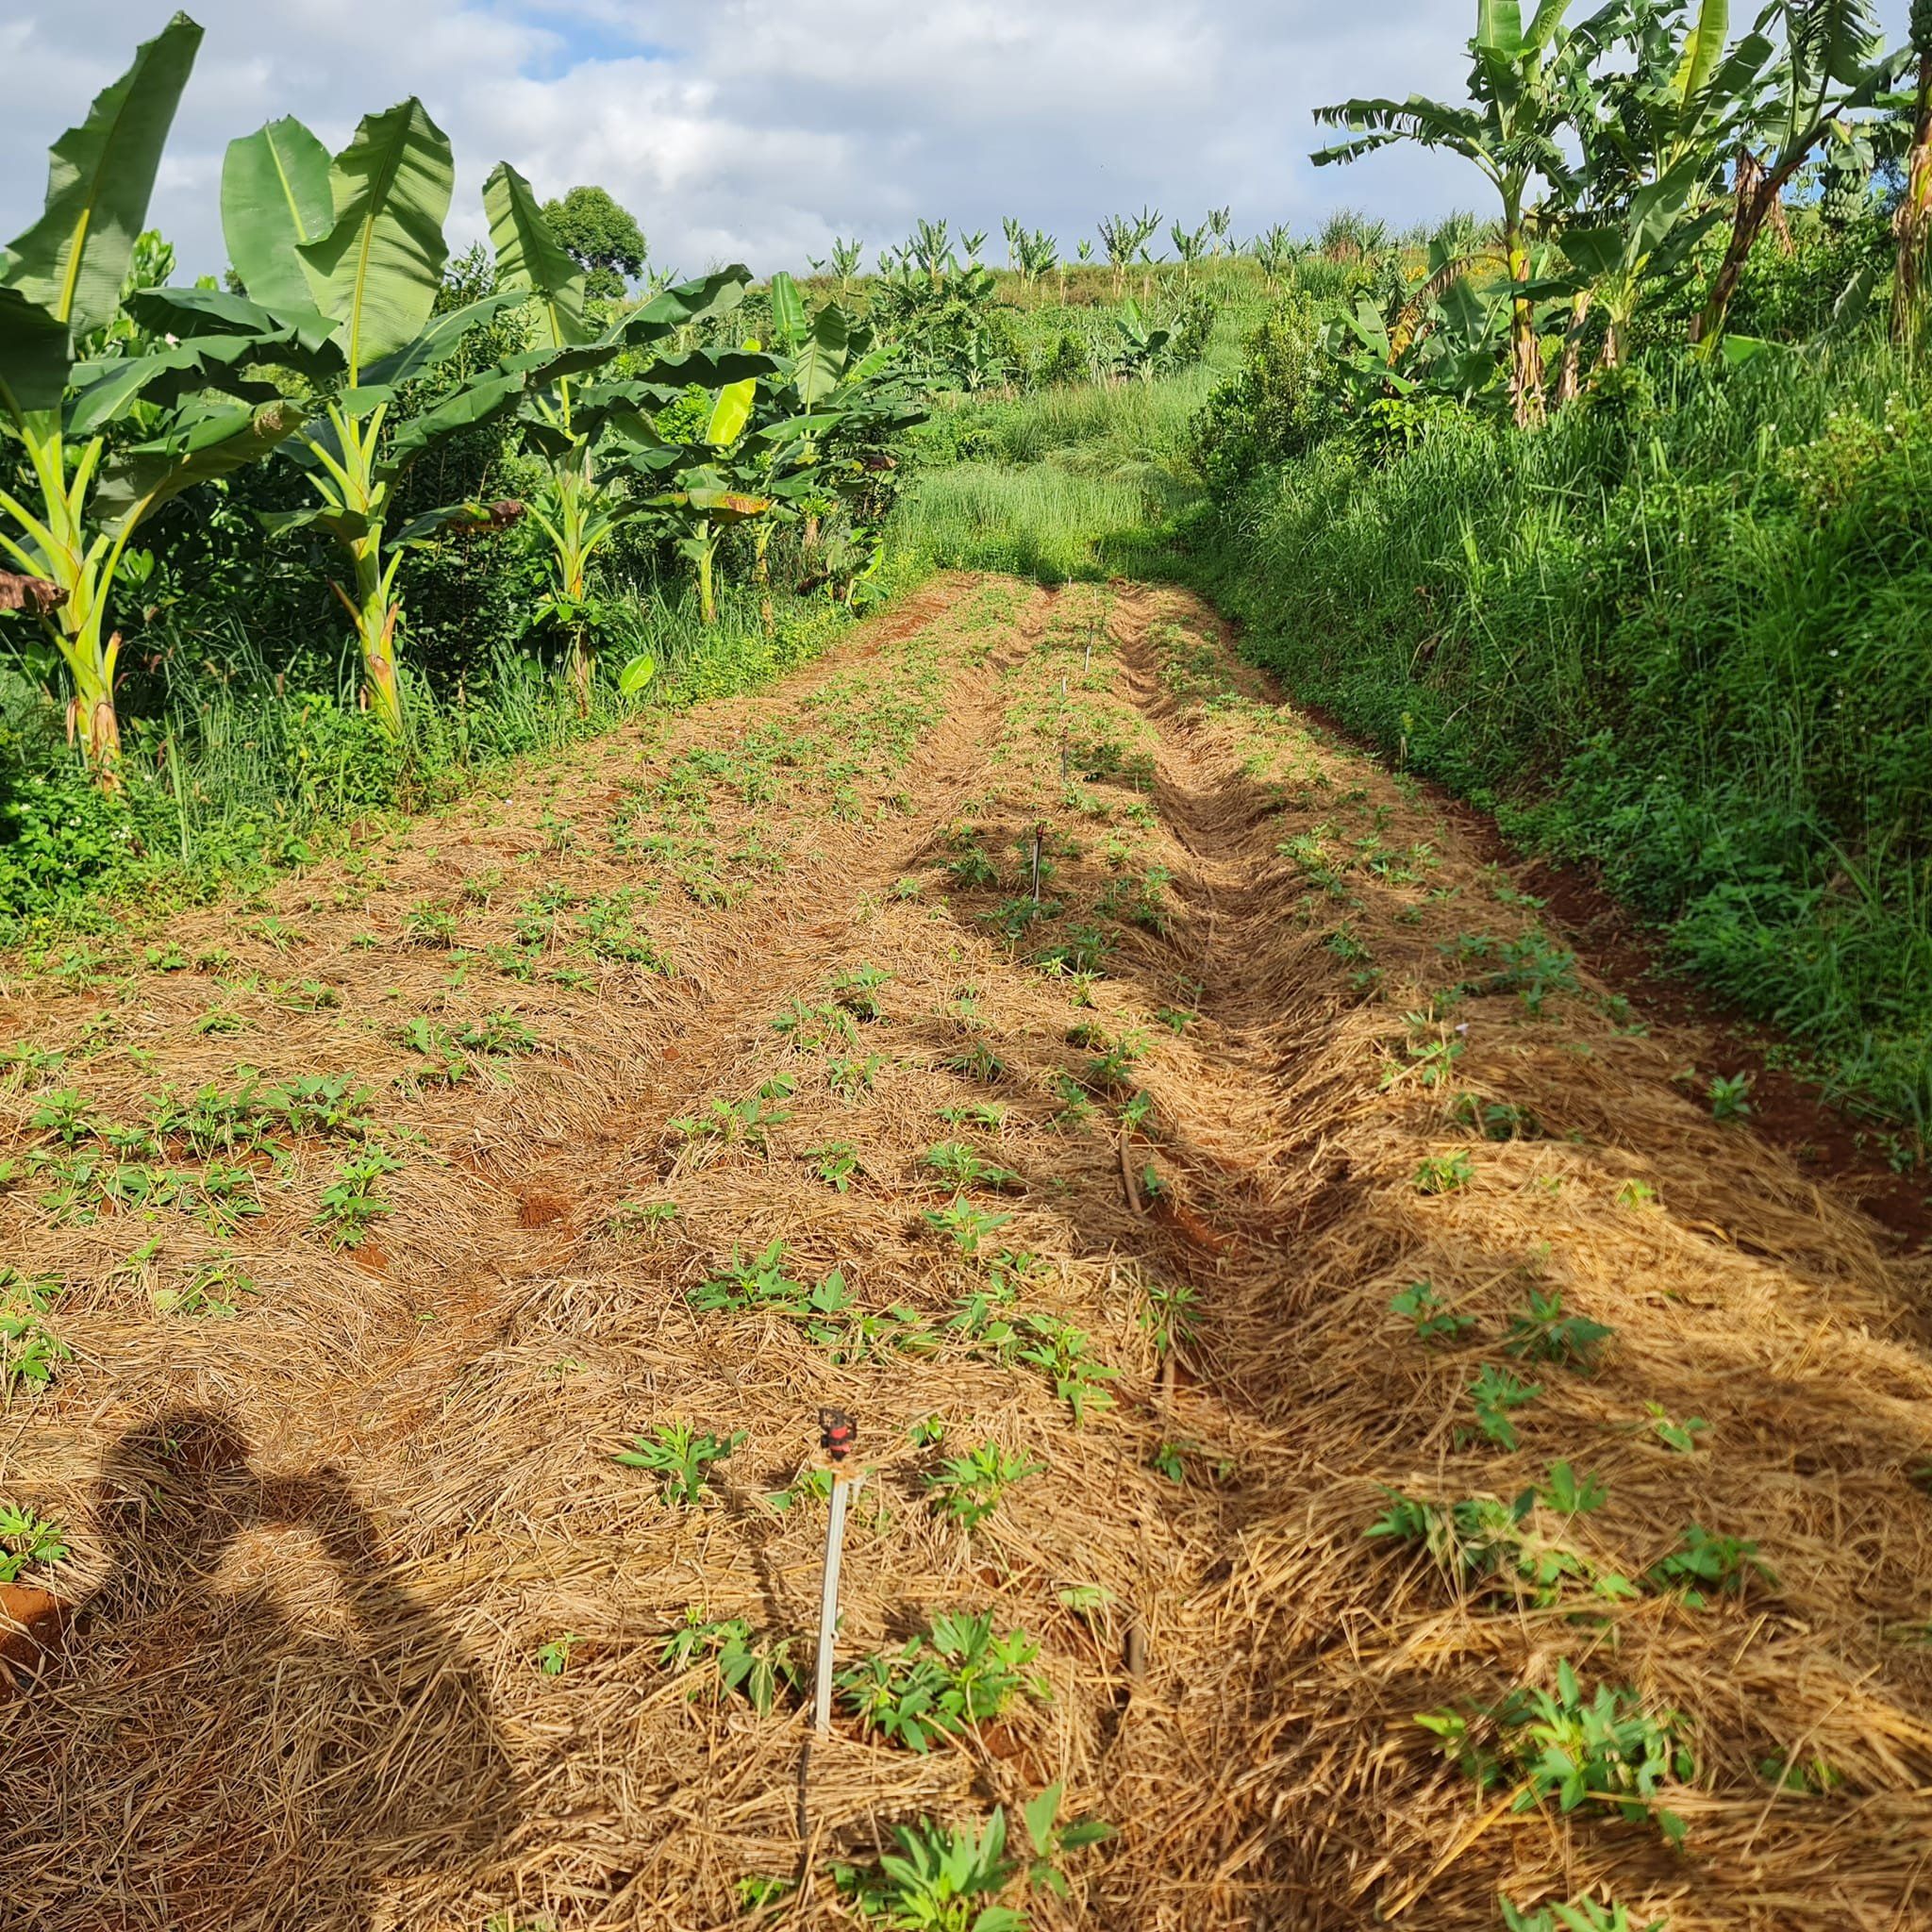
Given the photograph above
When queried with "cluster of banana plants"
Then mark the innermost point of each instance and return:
(333, 349)
(788, 441)
(104, 441)
(1614, 146)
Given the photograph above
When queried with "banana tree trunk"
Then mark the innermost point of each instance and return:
(1526, 359)
(1570, 378)
(580, 669)
(1757, 195)
(374, 614)
(1914, 218)
(761, 570)
(708, 551)
(91, 714)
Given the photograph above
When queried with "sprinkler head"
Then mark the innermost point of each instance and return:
(836, 1433)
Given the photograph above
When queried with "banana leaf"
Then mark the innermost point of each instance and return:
(34, 355)
(276, 198)
(137, 481)
(378, 268)
(100, 174)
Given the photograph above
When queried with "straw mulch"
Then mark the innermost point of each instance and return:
(292, 1673)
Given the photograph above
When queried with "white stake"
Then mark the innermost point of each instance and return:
(828, 1606)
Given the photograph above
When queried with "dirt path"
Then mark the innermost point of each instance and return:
(1022, 1032)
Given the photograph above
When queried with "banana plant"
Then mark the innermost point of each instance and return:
(349, 254)
(107, 441)
(1519, 82)
(1914, 221)
(564, 417)
(1123, 236)
(1141, 344)
(707, 501)
(1190, 247)
(1652, 111)
(1832, 64)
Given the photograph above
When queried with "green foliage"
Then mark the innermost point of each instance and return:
(963, 1166)
(25, 1539)
(553, 1657)
(1481, 1541)
(730, 1660)
(30, 1353)
(1578, 1915)
(602, 239)
(942, 1879)
(1667, 644)
(967, 1489)
(1682, 1437)
(680, 1458)
(1274, 408)
(1605, 1754)
(1543, 1333)
(1730, 1096)
(1444, 1174)
(935, 1685)
(1496, 1395)
(1421, 1304)
(353, 1202)
(1703, 1565)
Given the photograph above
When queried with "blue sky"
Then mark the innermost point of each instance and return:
(755, 130)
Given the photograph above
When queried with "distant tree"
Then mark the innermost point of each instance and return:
(602, 239)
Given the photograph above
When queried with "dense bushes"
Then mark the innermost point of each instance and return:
(1686, 634)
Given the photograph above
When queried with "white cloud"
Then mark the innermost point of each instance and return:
(756, 129)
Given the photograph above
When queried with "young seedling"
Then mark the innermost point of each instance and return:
(1496, 1120)
(732, 1660)
(1444, 1174)
(967, 1489)
(1681, 1437)
(1495, 1394)
(857, 990)
(835, 1163)
(1482, 1541)
(1730, 1096)
(941, 1879)
(1172, 1316)
(553, 1658)
(1608, 1754)
(680, 1458)
(816, 1027)
(1579, 1915)
(1420, 1304)
(1543, 1333)
(353, 1200)
(25, 1539)
(1703, 1565)
(935, 1685)
(969, 1226)
(29, 1355)
(963, 1166)
(1060, 1351)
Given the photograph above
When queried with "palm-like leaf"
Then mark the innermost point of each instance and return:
(530, 257)
(100, 174)
(377, 269)
(275, 197)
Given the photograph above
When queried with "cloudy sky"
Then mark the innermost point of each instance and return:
(755, 130)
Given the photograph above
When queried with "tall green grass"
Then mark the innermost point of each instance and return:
(1689, 640)
(1063, 483)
